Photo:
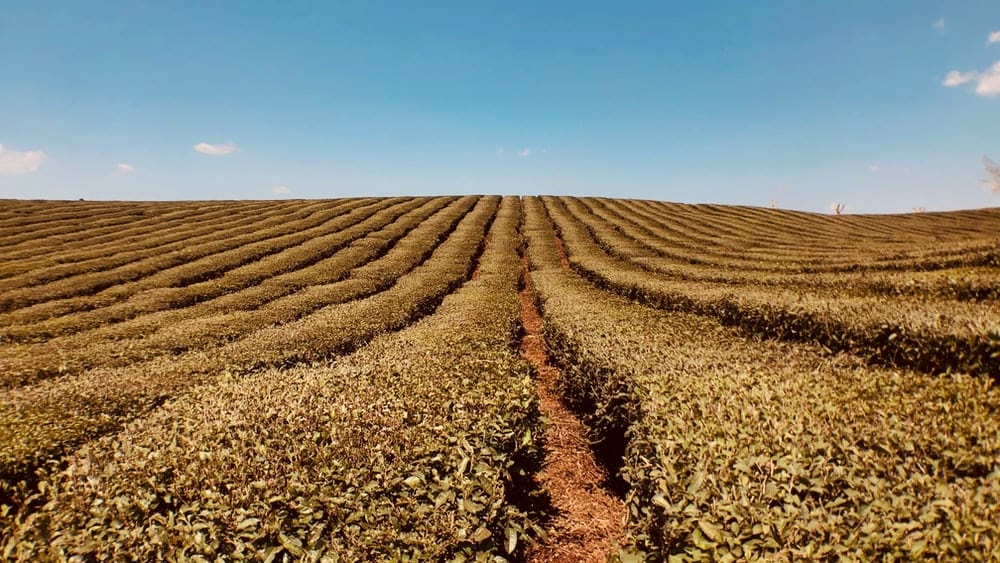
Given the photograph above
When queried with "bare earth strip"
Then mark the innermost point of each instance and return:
(590, 521)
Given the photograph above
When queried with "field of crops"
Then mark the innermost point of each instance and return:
(342, 379)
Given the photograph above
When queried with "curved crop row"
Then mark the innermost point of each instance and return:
(234, 225)
(164, 229)
(392, 252)
(388, 260)
(746, 240)
(410, 297)
(761, 251)
(41, 421)
(930, 337)
(44, 224)
(681, 244)
(331, 461)
(827, 229)
(35, 238)
(319, 246)
(621, 237)
(693, 227)
(100, 238)
(743, 449)
(38, 213)
(850, 249)
(189, 236)
(188, 264)
(54, 244)
(14, 213)
(202, 239)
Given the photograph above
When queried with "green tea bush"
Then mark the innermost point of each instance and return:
(407, 449)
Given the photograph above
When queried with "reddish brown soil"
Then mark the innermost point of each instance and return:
(561, 249)
(589, 522)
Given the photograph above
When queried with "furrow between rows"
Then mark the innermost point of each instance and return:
(42, 422)
(187, 264)
(622, 238)
(929, 337)
(365, 268)
(166, 228)
(307, 252)
(332, 460)
(730, 447)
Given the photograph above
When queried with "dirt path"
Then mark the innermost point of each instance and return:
(590, 521)
(561, 249)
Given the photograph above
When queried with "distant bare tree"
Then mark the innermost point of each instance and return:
(838, 208)
(992, 182)
(774, 204)
(919, 209)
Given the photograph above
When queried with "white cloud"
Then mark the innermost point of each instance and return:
(280, 190)
(123, 168)
(957, 78)
(215, 150)
(993, 38)
(987, 82)
(524, 153)
(874, 168)
(939, 25)
(17, 162)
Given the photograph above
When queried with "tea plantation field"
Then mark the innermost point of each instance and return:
(340, 380)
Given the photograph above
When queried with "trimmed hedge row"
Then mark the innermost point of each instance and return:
(739, 449)
(93, 244)
(619, 235)
(138, 263)
(680, 238)
(278, 300)
(412, 448)
(44, 223)
(312, 249)
(185, 265)
(929, 337)
(41, 421)
(840, 238)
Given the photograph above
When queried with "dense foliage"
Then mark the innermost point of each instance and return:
(339, 380)
(733, 447)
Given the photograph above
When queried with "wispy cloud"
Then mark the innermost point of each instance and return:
(939, 24)
(987, 82)
(280, 190)
(874, 168)
(524, 153)
(18, 162)
(215, 150)
(123, 168)
(957, 78)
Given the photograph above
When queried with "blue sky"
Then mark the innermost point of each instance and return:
(884, 106)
